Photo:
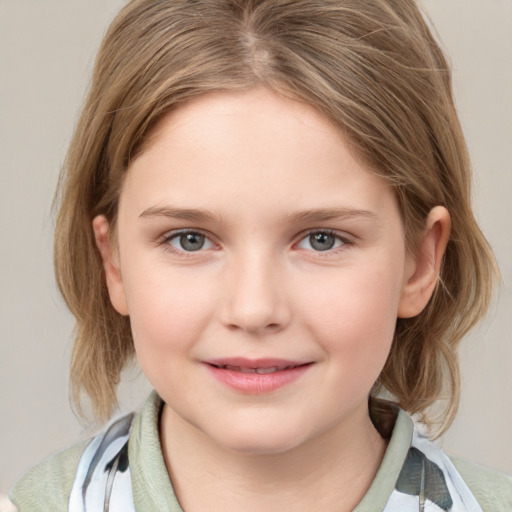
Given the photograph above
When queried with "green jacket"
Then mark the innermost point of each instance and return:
(47, 486)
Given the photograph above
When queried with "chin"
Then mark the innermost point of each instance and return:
(252, 441)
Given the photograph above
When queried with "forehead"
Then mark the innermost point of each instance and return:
(259, 110)
(240, 149)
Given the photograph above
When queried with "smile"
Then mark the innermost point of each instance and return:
(261, 371)
(257, 376)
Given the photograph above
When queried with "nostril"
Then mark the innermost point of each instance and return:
(246, 310)
(253, 328)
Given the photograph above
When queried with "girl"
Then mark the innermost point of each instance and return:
(268, 204)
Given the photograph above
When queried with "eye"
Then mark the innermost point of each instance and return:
(188, 241)
(321, 241)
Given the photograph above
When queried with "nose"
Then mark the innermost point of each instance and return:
(255, 299)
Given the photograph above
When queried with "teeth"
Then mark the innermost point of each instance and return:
(260, 371)
(267, 370)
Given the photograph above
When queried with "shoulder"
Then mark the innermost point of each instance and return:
(491, 488)
(47, 486)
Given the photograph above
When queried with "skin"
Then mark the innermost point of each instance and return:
(260, 164)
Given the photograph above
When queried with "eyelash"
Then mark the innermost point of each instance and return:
(177, 234)
(187, 254)
(345, 242)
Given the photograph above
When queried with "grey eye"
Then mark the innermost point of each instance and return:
(188, 241)
(322, 241)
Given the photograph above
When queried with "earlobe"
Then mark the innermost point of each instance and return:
(423, 269)
(110, 260)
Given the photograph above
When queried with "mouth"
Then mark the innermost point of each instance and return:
(257, 376)
(259, 370)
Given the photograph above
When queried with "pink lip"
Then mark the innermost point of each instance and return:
(256, 376)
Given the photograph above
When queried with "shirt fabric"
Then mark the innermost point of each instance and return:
(48, 485)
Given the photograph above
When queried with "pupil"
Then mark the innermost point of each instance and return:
(192, 241)
(321, 241)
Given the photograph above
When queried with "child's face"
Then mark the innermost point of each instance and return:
(250, 236)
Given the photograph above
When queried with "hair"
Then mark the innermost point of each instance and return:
(372, 67)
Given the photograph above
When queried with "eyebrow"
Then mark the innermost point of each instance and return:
(323, 214)
(192, 214)
(201, 215)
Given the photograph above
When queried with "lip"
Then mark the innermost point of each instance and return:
(256, 376)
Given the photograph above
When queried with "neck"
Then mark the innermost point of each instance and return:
(331, 472)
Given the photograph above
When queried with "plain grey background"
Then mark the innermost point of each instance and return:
(47, 49)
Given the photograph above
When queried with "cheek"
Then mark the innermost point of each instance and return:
(353, 316)
(167, 309)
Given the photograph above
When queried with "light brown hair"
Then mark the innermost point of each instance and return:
(371, 66)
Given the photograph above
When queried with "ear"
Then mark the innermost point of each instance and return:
(110, 257)
(422, 273)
